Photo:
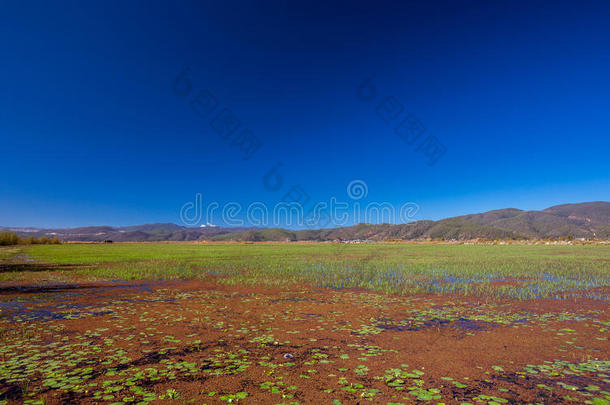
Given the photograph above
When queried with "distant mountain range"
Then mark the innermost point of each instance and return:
(585, 220)
(135, 233)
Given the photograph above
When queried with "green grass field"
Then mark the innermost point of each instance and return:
(518, 271)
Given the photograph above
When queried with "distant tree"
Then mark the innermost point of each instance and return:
(9, 238)
(29, 240)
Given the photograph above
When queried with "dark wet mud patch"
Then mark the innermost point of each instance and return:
(294, 299)
(36, 267)
(65, 288)
(16, 312)
(60, 301)
(556, 389)
(460, 323)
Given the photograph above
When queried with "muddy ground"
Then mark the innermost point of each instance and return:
(202, 342)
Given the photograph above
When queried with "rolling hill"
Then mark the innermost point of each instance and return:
(584, 220)
(136, 233)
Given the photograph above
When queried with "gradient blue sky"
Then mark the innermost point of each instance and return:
(92, 133)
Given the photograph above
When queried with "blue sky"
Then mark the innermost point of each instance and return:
(92, 131)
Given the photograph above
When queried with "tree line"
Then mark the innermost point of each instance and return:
(11, 238)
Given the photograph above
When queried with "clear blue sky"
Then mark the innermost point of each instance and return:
(92, 131)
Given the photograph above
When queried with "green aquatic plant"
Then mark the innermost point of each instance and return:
(234, 398)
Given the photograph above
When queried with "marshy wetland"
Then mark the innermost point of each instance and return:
(287, 323)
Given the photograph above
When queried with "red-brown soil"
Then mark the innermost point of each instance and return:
(344, 342)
